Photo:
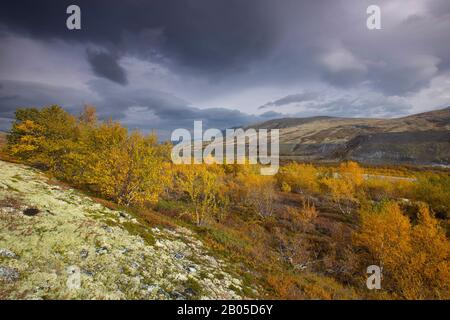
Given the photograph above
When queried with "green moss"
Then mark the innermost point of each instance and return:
(195, 286)
(170, 205)
(17, 177)
(10, 188)
(139, 230)
(219, 276)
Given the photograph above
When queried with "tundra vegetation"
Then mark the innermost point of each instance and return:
(308, 232)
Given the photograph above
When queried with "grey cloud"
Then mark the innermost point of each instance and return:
(5, 124)
(378, 107)
(299, 97)
(235, 46)
(105, 65)
(21, 94)
(272, 115)
(209, 36)
(18, 94)
(159, 110)
(409, 75)
(144, 109)
(240, 43)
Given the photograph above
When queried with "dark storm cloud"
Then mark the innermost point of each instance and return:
(202, 34)
(229, 46)
(105, 65)
(293, 40)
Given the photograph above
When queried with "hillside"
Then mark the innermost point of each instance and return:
(49, 234)
(422, 139)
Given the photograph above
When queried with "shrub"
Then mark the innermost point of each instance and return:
(104, 157)
(414, 258)
(258, 193)
(203, 184)
(301, 178)
(344, 186)
(434, 189)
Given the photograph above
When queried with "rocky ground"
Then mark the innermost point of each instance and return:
(56, 243)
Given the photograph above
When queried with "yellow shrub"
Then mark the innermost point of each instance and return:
(204, 185)
(414, 258)
(299, 177)
(258, 192)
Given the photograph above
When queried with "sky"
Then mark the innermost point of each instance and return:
(161, 64)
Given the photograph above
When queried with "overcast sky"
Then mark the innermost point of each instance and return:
(162, 64)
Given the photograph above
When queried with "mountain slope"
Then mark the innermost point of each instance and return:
(417, 139)
(56, 243)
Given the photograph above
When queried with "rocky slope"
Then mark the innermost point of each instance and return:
(418, 139)
(56, 243)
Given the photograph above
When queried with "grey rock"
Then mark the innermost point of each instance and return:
(84, 254)
(9, 274)
(107, 229)
(179, 256)
(5, 253)
(101, 250)
(177, 295)
(151, 287)
(189, 292)
(135, 265)
(190, 269)
(124, 250)
(88, 273)
(123, 214)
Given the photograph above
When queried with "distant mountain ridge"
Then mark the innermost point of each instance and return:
(422, 139)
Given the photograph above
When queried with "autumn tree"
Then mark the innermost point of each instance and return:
(43, 137)
(344, 185)
(131, 171)
(89, 115)
(414, 257)
(301, 178)
(202, 185)
(434, 189)
(126, 168)
(257, 192)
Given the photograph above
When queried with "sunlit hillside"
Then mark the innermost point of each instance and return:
(216, 231)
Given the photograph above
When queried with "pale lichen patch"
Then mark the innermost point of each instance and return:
(109, 253)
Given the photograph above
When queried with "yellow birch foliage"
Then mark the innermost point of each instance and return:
(414, 258)
(130, 174)
(344, 185)
(299, 178)
(203, 184)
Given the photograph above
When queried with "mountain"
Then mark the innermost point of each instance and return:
(422, 139)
